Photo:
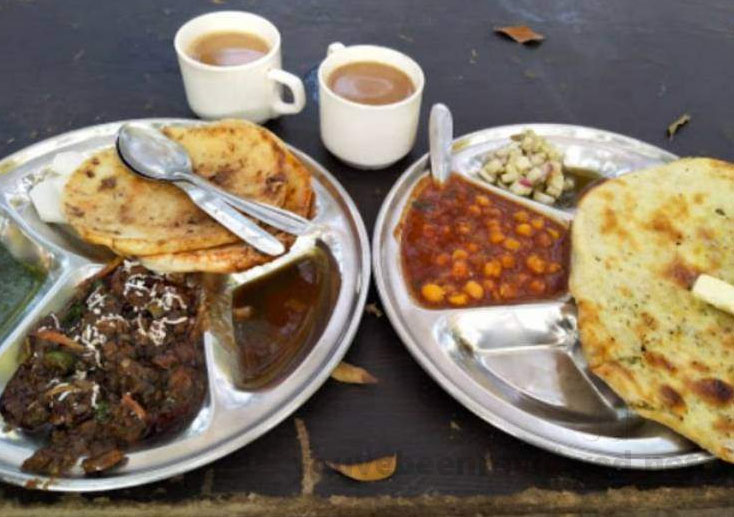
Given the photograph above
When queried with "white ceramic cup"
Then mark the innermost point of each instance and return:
(363, 135)
(253, 90)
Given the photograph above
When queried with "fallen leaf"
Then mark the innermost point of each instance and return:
(345, 372)
(375, 470)
(520, 33)
(372, 308)
(677, 124)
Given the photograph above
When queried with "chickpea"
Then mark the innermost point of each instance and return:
(554, 267)
(544, 240)
(482, 200)
(521, 216)
(524, 229)
(463, 228)
(460, 269)
(537, 286)
(495, 237)
(473, 247)
(458, 299)
(511, 244)
(493, 268)
(443, 259)
(433, 293)
(536, 264)
(553, 233)
(459, 254)
(507, 291)
(474, 289)
(493, 223)
(507, 261)
(446, 230)
(474, 210)
(537, 223)
(489, 285)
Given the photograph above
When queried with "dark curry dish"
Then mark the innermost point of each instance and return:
(123, 361)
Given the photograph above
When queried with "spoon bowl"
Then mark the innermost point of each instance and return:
(151, 154)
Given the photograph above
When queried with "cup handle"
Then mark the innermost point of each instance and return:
(335, 47)
(296, 87)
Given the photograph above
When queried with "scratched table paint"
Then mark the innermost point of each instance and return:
(626, 66)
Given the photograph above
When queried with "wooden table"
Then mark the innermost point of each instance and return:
(628, 66)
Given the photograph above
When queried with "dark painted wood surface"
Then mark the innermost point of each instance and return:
(626, 66)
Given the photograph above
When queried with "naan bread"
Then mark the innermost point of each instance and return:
(639, 241)
(109, 205)
(239, 257)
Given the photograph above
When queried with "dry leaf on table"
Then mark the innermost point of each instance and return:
(345, 372)
(520, 33)
(375, 470)
(677, 124)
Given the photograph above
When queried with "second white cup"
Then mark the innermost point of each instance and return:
(362, 135)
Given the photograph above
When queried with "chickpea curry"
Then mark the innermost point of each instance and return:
(464, 246)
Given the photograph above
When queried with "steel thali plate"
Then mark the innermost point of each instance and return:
(231, 416)
(519, 367)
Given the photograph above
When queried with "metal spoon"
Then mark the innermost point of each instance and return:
(150, 153)
(440, 136)
(158, 157)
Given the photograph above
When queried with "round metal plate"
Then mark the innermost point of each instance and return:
(230, 417)
(519, 367)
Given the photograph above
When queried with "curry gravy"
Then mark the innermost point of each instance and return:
(277, 318)
(371, 82)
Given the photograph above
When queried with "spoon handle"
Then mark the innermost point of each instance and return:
(231, 219)
(440, 135)
(273, 216)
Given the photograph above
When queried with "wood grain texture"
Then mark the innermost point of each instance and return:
(625, 66)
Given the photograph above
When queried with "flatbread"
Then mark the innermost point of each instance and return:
(239, 257)
(108, 204)
(638, 243)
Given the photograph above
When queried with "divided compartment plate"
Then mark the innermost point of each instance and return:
(520, 367)
(232, 415)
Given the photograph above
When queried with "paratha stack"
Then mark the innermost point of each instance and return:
(108, 204)
(639, 242)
